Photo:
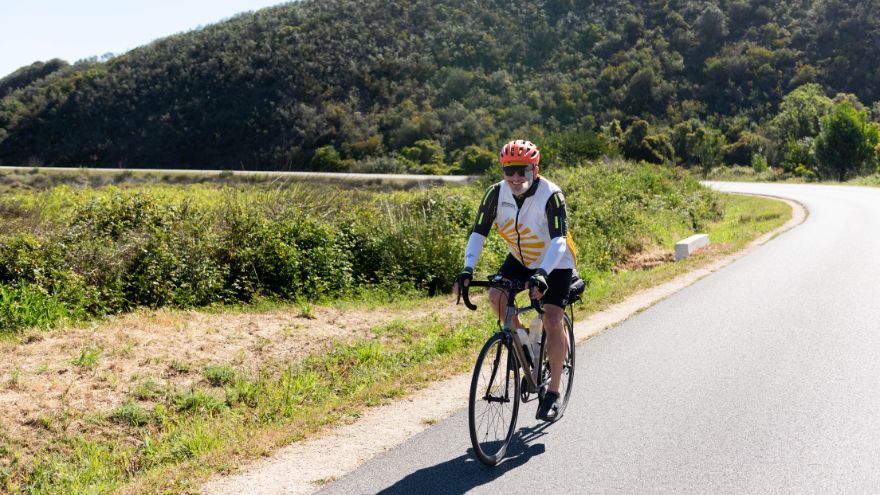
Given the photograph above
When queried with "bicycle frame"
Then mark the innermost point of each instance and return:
(531, 372)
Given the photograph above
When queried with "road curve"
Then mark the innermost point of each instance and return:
(761, 378)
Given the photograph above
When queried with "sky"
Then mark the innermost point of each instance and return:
(40, 30)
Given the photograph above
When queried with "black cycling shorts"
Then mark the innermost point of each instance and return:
(558, 281)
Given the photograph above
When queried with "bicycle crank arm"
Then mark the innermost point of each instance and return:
(489, 398)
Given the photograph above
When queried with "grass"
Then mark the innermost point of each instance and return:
(218, 375)
(179, 367)
(87, 358)
(746, 174)
(197, 431)
(148, 389)
(15, 378)
(870, 180)
(162, 442)
(746, 217)
(307, 311)
(25, 306)
(131, 413)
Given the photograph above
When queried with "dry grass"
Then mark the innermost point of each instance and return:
(54, 382)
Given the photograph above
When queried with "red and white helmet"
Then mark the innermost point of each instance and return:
(519, 152)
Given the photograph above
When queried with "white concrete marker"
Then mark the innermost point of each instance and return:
(684, 248)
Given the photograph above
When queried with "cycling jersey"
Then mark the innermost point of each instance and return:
(533, 226)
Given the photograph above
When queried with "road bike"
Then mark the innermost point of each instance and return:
(496, 387)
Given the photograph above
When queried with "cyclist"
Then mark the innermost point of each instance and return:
(529, 213)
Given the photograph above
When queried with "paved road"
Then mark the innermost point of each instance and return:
(762, 378)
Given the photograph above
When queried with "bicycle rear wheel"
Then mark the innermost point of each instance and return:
(567, 380)
(493, 403)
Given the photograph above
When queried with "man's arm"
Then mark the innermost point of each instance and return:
(558, 223)
(482, 226)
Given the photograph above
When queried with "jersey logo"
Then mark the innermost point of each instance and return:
(505, 204)
(529, 242)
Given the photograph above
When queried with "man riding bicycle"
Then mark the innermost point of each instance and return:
(529, 214)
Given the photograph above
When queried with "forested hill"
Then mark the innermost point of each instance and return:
(429, 85)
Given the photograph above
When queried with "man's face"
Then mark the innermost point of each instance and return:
(519, 177)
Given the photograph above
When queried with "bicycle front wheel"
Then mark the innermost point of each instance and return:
(494, 400)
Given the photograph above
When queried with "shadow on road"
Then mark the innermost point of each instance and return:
(465, 472)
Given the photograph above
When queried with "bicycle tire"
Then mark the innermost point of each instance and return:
(566, 381)
(493, 402)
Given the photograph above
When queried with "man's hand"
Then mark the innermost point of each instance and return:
(538, 284)
(463, 279)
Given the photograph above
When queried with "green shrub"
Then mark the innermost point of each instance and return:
(573, 147)
(617, 208)
(28, 306)
(26, 258)
(177, 268)
(87, 358)
(290, 257)
(198, 402)
(101, 251)
(148, 389)
(131, 413)
(114, 215)
(218, 375)
(759, 163)
(327, 159)
(474, 160)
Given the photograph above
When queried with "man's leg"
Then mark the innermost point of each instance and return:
(511, 269)
(557, 343)
(498, 300)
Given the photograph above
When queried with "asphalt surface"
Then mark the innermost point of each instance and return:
(761, 378)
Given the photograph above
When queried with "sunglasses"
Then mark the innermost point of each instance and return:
(512, 170)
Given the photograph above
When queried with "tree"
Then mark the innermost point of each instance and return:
(697, 143)
(639, 145)
(425, 152)
(759, 163)
(844, 143)
(800, 112)
(799, 153)
(707, 146)
(646, 92)
(711, 28)
(573, 146)
(28, 74)
(474, 160)
(327, 159)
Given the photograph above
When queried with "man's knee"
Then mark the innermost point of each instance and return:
(553, 311)
(498, 299)
(553, 316)
(495, 295)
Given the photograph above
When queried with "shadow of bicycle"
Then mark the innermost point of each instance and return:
(466, 472)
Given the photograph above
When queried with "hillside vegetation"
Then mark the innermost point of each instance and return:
(432, 87)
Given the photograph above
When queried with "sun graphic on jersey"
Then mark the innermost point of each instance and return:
(529, 243)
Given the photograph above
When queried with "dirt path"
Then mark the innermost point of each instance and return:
(303, 467)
